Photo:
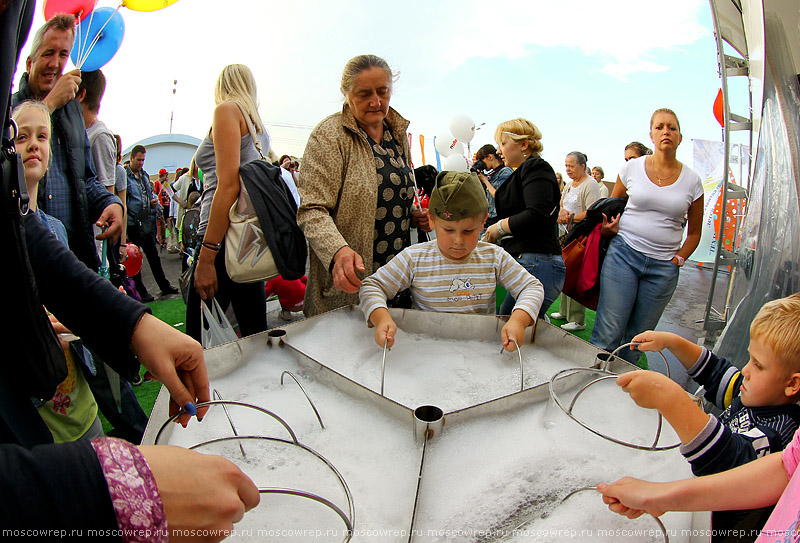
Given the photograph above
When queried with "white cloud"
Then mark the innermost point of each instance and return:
(297, 50)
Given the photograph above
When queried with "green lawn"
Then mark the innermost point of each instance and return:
(172, 312)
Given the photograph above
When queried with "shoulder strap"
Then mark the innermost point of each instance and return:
(250, 128)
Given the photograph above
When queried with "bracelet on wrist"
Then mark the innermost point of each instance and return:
(500, 230)
(212, 246)
(681, 260)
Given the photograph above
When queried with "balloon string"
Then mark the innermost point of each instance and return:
(85, 39)
(97, 36)
(78, 24)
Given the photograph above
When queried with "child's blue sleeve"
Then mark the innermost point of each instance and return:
(720, 378)
(719, 448)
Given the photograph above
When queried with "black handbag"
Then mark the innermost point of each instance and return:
(35, 361)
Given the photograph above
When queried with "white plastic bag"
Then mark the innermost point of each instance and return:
(219, 330)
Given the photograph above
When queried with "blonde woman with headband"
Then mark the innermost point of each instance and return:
(227, 146)
(527, 210)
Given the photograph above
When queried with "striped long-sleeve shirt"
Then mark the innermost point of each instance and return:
(455, 286)
(740, 434)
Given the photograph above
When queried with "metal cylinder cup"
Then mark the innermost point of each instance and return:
(428, 422)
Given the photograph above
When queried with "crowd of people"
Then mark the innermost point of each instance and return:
(358, 202)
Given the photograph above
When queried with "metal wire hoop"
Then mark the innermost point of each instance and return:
(521, 370)
(228, 402)
(658, 520)
(605, 375)
(348, 520)
(316, 498)
(314, 407)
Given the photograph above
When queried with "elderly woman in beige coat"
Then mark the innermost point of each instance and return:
(356, 188)
(578, 194)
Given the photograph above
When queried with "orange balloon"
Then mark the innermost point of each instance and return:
(718, 111)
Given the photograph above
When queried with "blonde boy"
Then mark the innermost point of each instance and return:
(456, 272)
(760, 401)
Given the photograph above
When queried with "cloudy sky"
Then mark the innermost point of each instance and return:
(589, 73)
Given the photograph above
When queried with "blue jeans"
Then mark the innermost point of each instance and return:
(549, 270)
(634, 290)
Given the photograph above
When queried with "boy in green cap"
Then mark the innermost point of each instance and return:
(456, 272)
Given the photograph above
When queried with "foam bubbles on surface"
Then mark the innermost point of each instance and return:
(484, 475)
(425, 369)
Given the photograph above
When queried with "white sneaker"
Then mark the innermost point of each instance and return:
(558, 316)
(286, 315)
(573, 327)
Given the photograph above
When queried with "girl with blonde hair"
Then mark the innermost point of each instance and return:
(227, 146)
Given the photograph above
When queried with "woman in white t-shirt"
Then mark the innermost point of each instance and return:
(640, 271)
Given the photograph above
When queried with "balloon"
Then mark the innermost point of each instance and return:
(133, 264)
(718, 113)
(456, 163)
(445, 144)
(78, 8)
(462, 128)
(100, 38)
(147, 5)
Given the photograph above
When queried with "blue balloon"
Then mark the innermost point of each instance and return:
(106, 23)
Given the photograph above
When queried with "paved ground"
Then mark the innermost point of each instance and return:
(683, 315)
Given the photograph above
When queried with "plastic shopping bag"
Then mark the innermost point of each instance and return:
(214, 326)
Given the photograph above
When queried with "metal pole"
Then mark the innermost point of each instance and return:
(172, 113)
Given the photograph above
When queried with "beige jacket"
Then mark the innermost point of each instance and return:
(338, 199)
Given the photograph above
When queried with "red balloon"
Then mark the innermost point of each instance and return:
(133, 264)
(718, 112)
(79, 8)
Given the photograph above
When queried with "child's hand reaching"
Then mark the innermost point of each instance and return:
(631, 497)
(653, 341)
(385, 327)
(515, 329)
(649, 389)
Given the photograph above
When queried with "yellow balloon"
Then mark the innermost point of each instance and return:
(147, 5)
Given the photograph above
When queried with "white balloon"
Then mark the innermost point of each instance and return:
(456, 163)
(445, 144)
(463, 128)
(458, 148)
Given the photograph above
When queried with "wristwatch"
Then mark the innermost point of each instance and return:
(681, 260)
(500, 230)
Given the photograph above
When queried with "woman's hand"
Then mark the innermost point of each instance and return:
(205, 274)
(421, 220)
(491, 235)
(563, 216)
(199, 492)
(59, 329)
(175, 359)
(346, 262)
(610, 227)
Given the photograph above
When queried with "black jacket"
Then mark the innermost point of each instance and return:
(46, 485)
(89, 196)
(530, 197)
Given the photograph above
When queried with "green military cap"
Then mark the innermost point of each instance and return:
(458, 195)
